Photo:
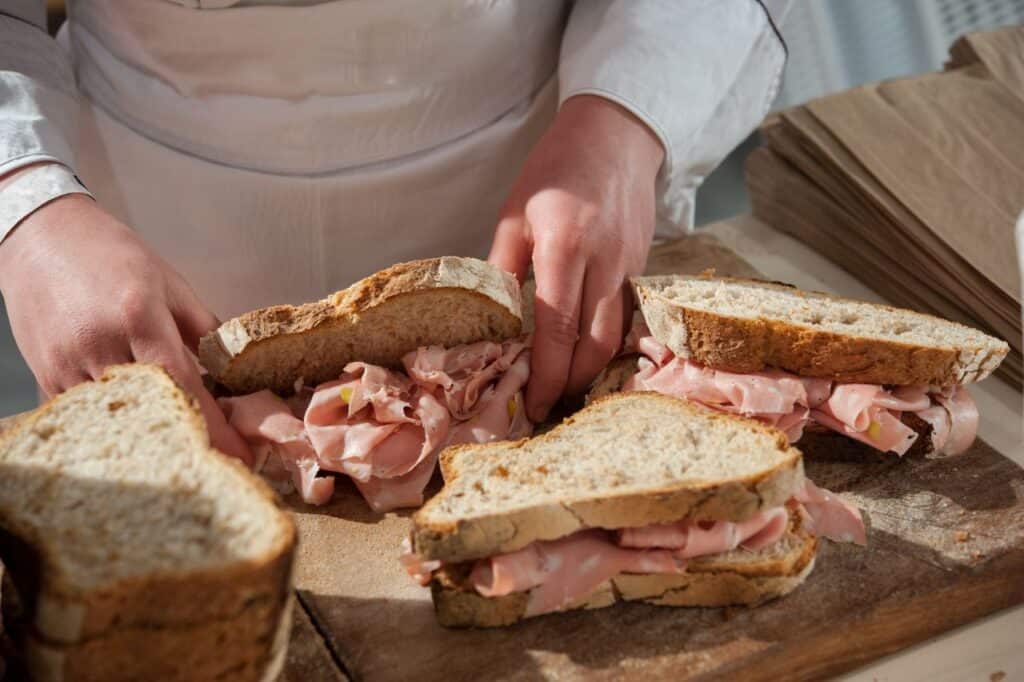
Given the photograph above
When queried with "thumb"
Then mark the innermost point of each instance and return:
(512, 248)
(222, 435)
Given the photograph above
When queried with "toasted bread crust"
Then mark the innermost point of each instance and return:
(709, 582)
(238, 353)
(253, 592)
(507, 531)
(749, 345)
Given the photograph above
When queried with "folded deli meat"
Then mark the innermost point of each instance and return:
(558, 573)
(869, 413)
(382, 428)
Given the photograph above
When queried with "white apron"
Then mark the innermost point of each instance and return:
(275, 154)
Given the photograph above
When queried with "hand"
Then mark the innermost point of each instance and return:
(83, 292)
(582, 210)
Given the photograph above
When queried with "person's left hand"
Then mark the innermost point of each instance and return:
(582, 211)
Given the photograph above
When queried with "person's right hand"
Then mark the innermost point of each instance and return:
(84, 292)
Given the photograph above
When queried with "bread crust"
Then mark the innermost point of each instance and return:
(708, 582)
(506, 531)
(749, 345)
(273, 347)
(252, 592)
(242, 648)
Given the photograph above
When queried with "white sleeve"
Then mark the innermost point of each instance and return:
(700, 73)
(38, 113)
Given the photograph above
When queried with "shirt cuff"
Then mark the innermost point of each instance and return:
(700, 75)
(24, 191)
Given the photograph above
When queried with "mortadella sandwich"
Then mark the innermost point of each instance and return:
(374, 381)
(840, 377)
(637, 497)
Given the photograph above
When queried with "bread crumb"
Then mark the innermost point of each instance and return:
(997, 676)
(542, 469)
(976, 555)
(500, 470)
(961, 536)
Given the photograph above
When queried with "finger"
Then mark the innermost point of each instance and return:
(61, 379)
(559, 269)
(511, 249)
(194, 319)
(222, 435)
(61, 372)
(162, 346)
(601, 325)
(103, 355)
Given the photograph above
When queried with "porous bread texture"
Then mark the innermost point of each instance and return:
(117, 516)
(630, 459)
(748, 325)
(737, 578)
(442, 301)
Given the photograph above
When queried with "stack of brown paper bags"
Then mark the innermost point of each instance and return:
(913, 185)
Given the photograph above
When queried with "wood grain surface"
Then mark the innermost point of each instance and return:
(946, 546)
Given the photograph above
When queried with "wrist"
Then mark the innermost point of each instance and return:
(53, 215)
(604, 122)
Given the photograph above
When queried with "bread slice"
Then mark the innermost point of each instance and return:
(444, 301)
(746, 325)
(124, 531)
(737, 578)
(629, 459)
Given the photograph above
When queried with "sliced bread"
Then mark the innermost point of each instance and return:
(442, 301)
(746, 325)
(629, 459)
(122, 526)
(737, 578)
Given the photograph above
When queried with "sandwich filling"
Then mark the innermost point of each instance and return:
(558, 573)
(868, 413)
(384, 428)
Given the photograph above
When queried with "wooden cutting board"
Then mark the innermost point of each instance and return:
(946, 546)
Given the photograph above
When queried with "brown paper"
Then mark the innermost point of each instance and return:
(914, 185)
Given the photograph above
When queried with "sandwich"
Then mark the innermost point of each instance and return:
(842, 378)
(375, 380)
(136, 550)
(637, 497)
